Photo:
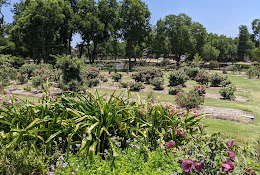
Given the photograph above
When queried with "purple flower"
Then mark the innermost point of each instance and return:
(187, 166)
(105, 151)
(199, 166)
(231, 154)
(229, 144)
(159, 169)
(170, 144)
(227, 166)
(169, 130)
(78, 145)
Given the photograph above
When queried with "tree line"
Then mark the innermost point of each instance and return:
(42, 28)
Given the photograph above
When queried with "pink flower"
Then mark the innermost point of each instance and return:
(232, 154)
(178, 93)
(195, 114)
(228, 166)
(16, 99)
(229, 144)
(169, 126)
(170, 144)
(169, 130)
(199, 166)
(0, 98)
(188, 97)
(55, 84)
(194, 110)
(9, 103)
(187, 166)
(45, 79)
(179, 113)
(9, 95)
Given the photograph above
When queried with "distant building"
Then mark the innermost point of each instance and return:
(76, 52)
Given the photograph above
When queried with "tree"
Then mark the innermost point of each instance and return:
(135, 25)
(245, 45)
(256, 54)
(96, 23)
(2, 2)
(38, 27)
(199, 33)
(256, 31)
(210, 53)
(178, 32)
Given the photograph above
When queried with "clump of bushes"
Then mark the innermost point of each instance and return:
(124, 84)
(116, 77)
(175, 90)
(177, 78)
(37, 82)
(191, 72)
(216, 80)
(228, 92)
(136, 86)
(225, 82)
(44, 70)
(28, 69)
(213, 65)
(91, 73)
(189, 100)
(158, 83)
(147, 75)
(22, 78)
(202, 78)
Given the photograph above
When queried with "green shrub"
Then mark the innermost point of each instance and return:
(105, 80)
(250, 73)
(22, 78)
(92, 82)
(225, 82)
(147, 75)
(91, 73)
(28, 88)
(116, 77)
(175, 90)
(28, 69)
(216, 79)
(16, 62)
(158, 83)
(191, 72)
(213, 64)
(165, 62)
(228, 92)
(37, 82)
(201, 89)
(136, 86)
(177, 78)
(189, 100)
(124, 84)
(202, 78)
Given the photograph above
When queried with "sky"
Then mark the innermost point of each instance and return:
(218, 16)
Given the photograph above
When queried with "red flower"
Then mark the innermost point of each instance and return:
(187, 166)
(232, 154)
(188, 97)
(228, 166)
(179, 113)
(195, 114)
(16, 99)
(170, 144)
(178, 93)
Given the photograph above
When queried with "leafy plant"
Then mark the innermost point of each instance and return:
(136, 86)
(175, 90)
(124, 84)
(28, 69)
(147, 75)
(116, 77)
(216, 79)
(200, 89)
(158, 83)
(202, 78)
(177, 78)
(228, 92)
(189, 100)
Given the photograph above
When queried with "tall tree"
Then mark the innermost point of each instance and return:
(256, 31)
(178, 31)
(245, 45)
(38, 27)
(135, 24)
(198, 33)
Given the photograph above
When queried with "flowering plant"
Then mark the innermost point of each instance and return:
(202, 78)
(189, 100)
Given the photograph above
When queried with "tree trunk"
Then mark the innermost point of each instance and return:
(81, 49)
(94, 53)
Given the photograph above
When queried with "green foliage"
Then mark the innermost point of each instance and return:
(213, 64)
(175, 90)
(136, 86)
(177, 77)
(147, 75)
(158, 83)
(71, 75)
(191, 72)
(124, 84)
(116, 77)
(228, 92)
(92, 82)
(197, 59)
(43, 70)
(37, 82)
(165, 62)
(28, 69)
(225, 82)
(216, 80)
(7, 73)
(202, 78)
(189, 100)
(210, 52)
(91, 73)
(28, 88)
(22, 78)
